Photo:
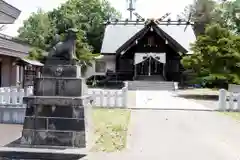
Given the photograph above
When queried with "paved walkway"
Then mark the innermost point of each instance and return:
(188, 131)
(183, 135)
(165, 100)
(9, 133)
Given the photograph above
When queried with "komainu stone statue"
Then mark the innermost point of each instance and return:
(57, 122)
(64, 50)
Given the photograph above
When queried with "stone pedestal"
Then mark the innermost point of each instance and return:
(57, 115)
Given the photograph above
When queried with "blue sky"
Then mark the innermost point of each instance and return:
(146, 8)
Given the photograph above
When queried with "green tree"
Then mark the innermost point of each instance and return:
(202, 13)
(87, 16)
(216, 57)
(230, 11)
(205, 12)
(36, 29)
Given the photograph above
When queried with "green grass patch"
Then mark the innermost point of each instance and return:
(110, 129)
(235, 115)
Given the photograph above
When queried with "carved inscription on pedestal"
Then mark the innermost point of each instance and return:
(60, 85)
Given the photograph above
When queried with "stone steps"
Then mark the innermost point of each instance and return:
(152, 85)
(151, 78)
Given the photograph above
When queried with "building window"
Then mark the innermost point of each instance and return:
(100, 66)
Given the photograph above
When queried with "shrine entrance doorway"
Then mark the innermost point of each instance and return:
(149, 65)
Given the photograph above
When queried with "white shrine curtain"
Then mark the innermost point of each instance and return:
(139, 57)
(160, 57)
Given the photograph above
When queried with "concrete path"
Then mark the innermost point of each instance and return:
(183, 135)
(165, 100)
(186, 131)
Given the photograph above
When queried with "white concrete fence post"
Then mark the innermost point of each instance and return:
(116, 98)
(2, 92)
(124, 97)
(8, 96)
(101, 98)
(231, 102)
(222, 101)
(21, 95)
(14, 96)
(108, 98)
(126, 85)
(238, 103)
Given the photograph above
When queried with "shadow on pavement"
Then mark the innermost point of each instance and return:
(199, 97)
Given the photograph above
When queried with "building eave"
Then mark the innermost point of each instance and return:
(139, 34)
(173, 43)
(120, 37)
(108, 53)
(12, 53)
(8, 13)
(9, 43)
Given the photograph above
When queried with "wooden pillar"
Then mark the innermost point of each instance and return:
(166, 70)
(117, 59)
(22, 75)
(149, 66)
(24, 78)
(18, 79)
(38, 73)
(135, 71)
(163, 71)
(135, 67)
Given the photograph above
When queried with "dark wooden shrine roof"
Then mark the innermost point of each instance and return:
(117, 34)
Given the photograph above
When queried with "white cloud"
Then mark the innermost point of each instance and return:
(146, 8)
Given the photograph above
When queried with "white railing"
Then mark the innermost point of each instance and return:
(229, 100)
(13, 96)
(12, 109)
(100, 97)
(108, 98)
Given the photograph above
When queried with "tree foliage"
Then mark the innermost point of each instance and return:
(36, 54)
(216, 57)
(87, 16)
(36, 29)
(230, 11)
(202, 13)
(206, 12)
